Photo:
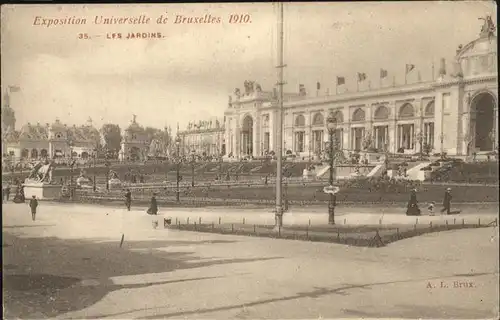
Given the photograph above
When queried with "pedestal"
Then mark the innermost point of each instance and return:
(42, 191)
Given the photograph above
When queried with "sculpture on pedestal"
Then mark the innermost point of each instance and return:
(41, 172)
(237, 92)
(488, 28)
(249, 87)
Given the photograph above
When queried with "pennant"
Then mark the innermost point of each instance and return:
(409, 68)
(361, 77)
(383, 73)
(340, 81)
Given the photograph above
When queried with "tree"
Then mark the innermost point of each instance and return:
(151, 133)
(112, 137)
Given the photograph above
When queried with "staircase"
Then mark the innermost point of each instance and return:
(415, 173)
(377, 171)
(321, 172)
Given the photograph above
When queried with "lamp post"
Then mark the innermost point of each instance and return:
(94, 182)
(108, 165)
(178, 160)
(332, 126)
(193, 160)
(71, 164)
(420, 138)
(441, 138)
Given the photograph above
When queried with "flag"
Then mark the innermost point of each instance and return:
(361, 77)
(383, 73)
(340, 81)
(409, 68)
(318, 86)
(14, 89)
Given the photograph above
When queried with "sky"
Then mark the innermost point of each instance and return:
(188, 74)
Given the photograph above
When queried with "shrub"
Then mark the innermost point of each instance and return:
(380, 184)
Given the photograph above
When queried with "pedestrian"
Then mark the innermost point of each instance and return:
(33, 204)
(153, 207)
(128, 199)
(7, 192)
(447, 201)
(412, 208)
(430, 208)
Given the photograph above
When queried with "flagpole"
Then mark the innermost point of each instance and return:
(406, 74)
(357, 85)
(393, 81)
(432, 70)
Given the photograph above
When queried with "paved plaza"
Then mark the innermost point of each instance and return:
(69, 264)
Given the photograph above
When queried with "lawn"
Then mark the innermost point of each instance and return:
(353, 235)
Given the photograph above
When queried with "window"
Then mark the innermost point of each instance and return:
(299, 141)
(318, 119)
(406, 111)
(358, 115)
(300, 121)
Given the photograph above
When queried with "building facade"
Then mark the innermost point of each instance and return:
(135, 144)
(456, 113)
(205, 138)
(36, 141)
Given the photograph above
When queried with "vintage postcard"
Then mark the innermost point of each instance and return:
(250, 160)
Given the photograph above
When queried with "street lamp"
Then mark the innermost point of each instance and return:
(441, 138)
(71, 164)
(420, 138)
(178, 160)
(193, 160)
(94, 182)
(332, 126)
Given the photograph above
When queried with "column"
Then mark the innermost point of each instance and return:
(412, 133)
(376, 137)
(237, 142)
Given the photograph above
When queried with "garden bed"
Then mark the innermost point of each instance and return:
(353, 235)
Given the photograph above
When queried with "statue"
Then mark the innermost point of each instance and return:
(134, 117)
(237, 92)
(230, 101)
(41, 172)
(488, 28)
(258, 88)
(217, 123)
(249, 87)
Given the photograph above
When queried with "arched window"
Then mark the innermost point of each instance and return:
(339, 116)
(429, 109)
(44, 153)
(318, 119)
(358, 115)
(300, 121)
(406, 111)
(34, 153)
(25, 153)
(382, 113)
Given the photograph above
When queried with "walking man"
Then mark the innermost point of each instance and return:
(128, 199)
(33, 205)
(7, 192)
(447, 201)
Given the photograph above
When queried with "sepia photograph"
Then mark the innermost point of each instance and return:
(268, 160)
